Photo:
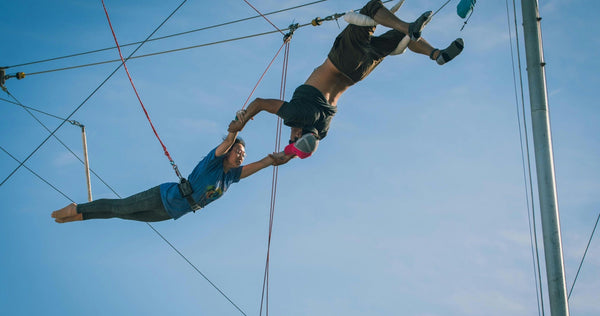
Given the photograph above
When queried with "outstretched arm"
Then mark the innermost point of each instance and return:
(296, 132)
(274, 159)
(224, 147)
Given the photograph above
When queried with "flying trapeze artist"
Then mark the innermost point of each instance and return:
(355, 53)
(209, 180)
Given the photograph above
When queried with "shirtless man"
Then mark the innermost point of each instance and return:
(355, 53)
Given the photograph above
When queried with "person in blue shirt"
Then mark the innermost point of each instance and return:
(210, 179)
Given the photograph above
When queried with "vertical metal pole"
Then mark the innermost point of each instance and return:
(542, 139)
(87, 165)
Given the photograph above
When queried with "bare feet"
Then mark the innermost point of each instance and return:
(67, 214)
(78, 217)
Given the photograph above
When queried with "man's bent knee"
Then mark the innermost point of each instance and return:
(371, 8)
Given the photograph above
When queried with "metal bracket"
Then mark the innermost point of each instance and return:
(293, 27)
(2, 77)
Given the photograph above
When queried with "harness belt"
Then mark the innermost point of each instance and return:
(185, 188)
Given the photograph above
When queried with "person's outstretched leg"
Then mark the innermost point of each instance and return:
(386, 18)
(143, 206)
(255, 107)
(448, 53)
(440, 56)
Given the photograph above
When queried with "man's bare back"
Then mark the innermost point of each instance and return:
(330, 81)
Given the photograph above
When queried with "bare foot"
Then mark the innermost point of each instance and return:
(77, 217)
(67, 211)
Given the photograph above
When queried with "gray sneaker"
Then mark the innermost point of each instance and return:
(451, 51)
(415, 28)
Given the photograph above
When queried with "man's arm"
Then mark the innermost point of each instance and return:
(224, 147)
(296, 132)
(274, 159)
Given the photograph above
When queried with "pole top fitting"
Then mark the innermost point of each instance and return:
(73, 122)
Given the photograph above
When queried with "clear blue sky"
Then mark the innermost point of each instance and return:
(415, 203)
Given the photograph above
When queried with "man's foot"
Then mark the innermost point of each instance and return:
(74, 218)
(67, 211)
(450, 52)
(415, 28)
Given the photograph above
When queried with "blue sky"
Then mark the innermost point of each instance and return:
(414, 204)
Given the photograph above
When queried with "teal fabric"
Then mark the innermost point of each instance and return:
(465, 7)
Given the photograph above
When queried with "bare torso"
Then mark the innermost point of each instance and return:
(330, 81)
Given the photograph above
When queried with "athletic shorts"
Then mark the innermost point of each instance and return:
(356, 52)
(308, 109)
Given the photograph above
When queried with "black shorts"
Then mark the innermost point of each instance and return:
(308, 109)
(356, 52)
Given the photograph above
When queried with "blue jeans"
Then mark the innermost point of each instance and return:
(145, 206)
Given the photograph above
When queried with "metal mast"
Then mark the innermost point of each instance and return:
(542, 139)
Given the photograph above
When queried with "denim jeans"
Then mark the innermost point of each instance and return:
(145, 206)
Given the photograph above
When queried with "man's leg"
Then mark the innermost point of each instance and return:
(255, 107)
(386, 18)
(440, 56)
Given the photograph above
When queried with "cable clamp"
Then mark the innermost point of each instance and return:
(4, 77)
(287, 37)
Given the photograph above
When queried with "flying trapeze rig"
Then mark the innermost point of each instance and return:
(464, 9)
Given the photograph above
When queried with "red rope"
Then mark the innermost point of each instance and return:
(136, 93)
(262, 76)
(265, 295)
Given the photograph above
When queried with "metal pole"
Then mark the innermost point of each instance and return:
(542, 139)
(87, 165)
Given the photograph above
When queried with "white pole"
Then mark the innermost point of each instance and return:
(87, 165)
(542, 139)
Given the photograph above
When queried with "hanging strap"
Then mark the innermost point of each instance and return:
(138, 96)
(185, 188)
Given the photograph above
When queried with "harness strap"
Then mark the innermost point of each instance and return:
(185, 188)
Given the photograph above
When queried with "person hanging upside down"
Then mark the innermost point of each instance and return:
(210, 179)
(355, 53)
